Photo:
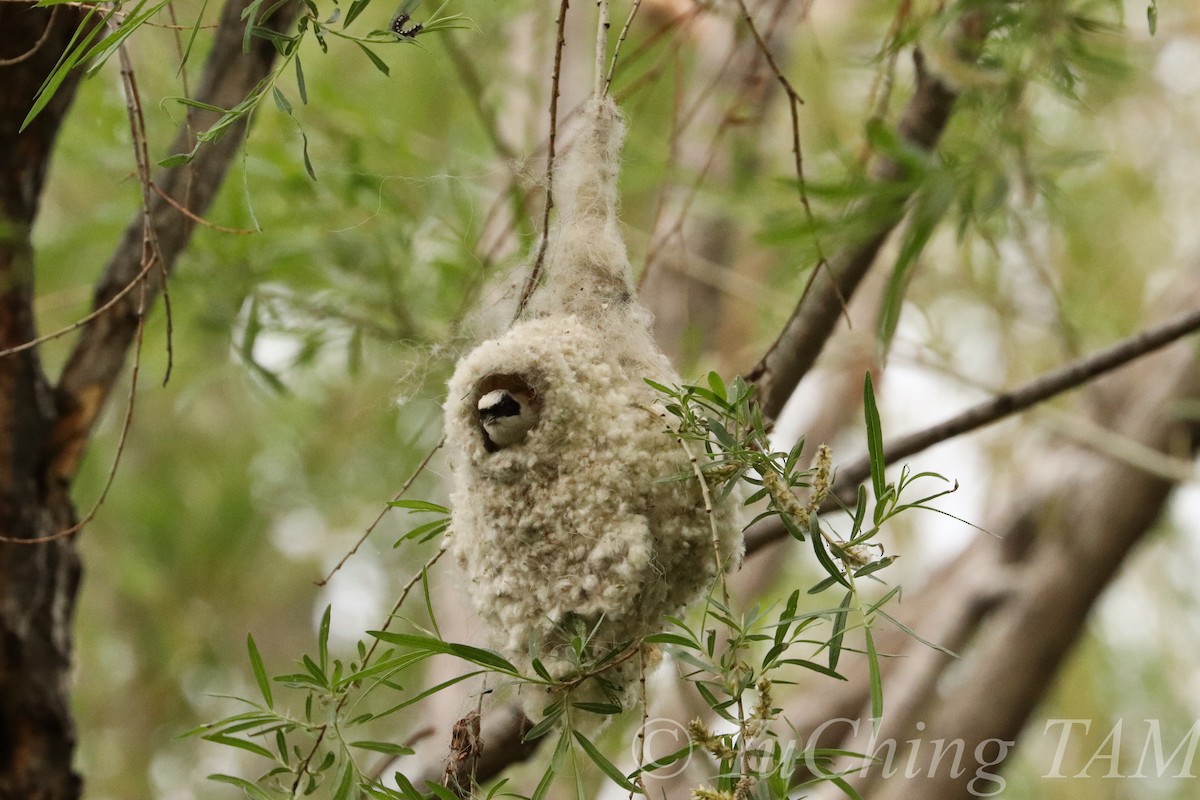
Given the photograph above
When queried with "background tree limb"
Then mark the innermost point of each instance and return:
(103, 345)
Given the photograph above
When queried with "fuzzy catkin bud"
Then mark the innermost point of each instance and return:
(704, 793)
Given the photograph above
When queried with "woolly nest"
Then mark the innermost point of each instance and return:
(587, 514)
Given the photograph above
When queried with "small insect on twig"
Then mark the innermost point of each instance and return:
(402, 18)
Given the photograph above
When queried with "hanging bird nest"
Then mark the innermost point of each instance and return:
(576, 512)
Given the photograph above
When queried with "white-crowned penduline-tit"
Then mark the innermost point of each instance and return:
(507, 414)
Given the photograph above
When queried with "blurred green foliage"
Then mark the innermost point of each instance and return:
(309, 356)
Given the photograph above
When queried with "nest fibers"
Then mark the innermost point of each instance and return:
(574, 508)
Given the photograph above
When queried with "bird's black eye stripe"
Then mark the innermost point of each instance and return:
(507, 406)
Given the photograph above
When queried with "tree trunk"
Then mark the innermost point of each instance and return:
(38, 582)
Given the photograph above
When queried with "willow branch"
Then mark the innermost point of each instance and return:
(98, 357)
(535, 274)
(1071, 376)
(803, 338)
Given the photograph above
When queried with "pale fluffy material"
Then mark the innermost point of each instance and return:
(597, 516)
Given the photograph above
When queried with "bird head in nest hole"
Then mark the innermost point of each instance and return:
(508, 407)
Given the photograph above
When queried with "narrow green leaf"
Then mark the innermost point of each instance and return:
(352, 13)
(419, 505)
(823, 585)
(554, 767)
(191, 103)
(323, 639)
(875, 566)
(177, 160)
(846, 788)
(406, 788)
(793, 456)
(301, 86)
(70, 57)
(246, 786)
(379, 63)
(791, 526)
(103, 50)
(718, 386)
(541, 670)
(389, 748)
(251, 14)
(281, 746)
(874, 437)
(441, 792)
(604, 709)
(281, 102)
(605, 765)
(876, 676)
(345, 782)
(301, 680)
(815, 667)
(916, 635)
(423, 533)
(1152, 17)
(666, 760)
(308, 167)
(187, 50)
(671, 638)
(429, 602)
(818, 544)
(931, 206)
(839, 631)
(860, 512)
(789, 610)
(315, 671)
(716, 705)
(546, 724)
(476, 655)
(241, 744)
(260, 672)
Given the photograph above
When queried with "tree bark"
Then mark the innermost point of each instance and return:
(1013, 605)
(38, 582)
(44, 429)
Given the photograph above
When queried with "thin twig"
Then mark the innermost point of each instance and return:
(1040, 389)
(727, 120)
(9, 62)
(303, 766)
(150, 255)
(823, 301)
(794, 103)
(641, 735)
(126, 424)
(602, 25)
(196, 218)
(370, 528)
(535, 273)
(709, 512)
(79, 323)
(137, 125)
(612, 65)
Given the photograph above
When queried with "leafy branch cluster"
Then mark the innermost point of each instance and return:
(994, 162)
(107, 27)
(733, 658)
